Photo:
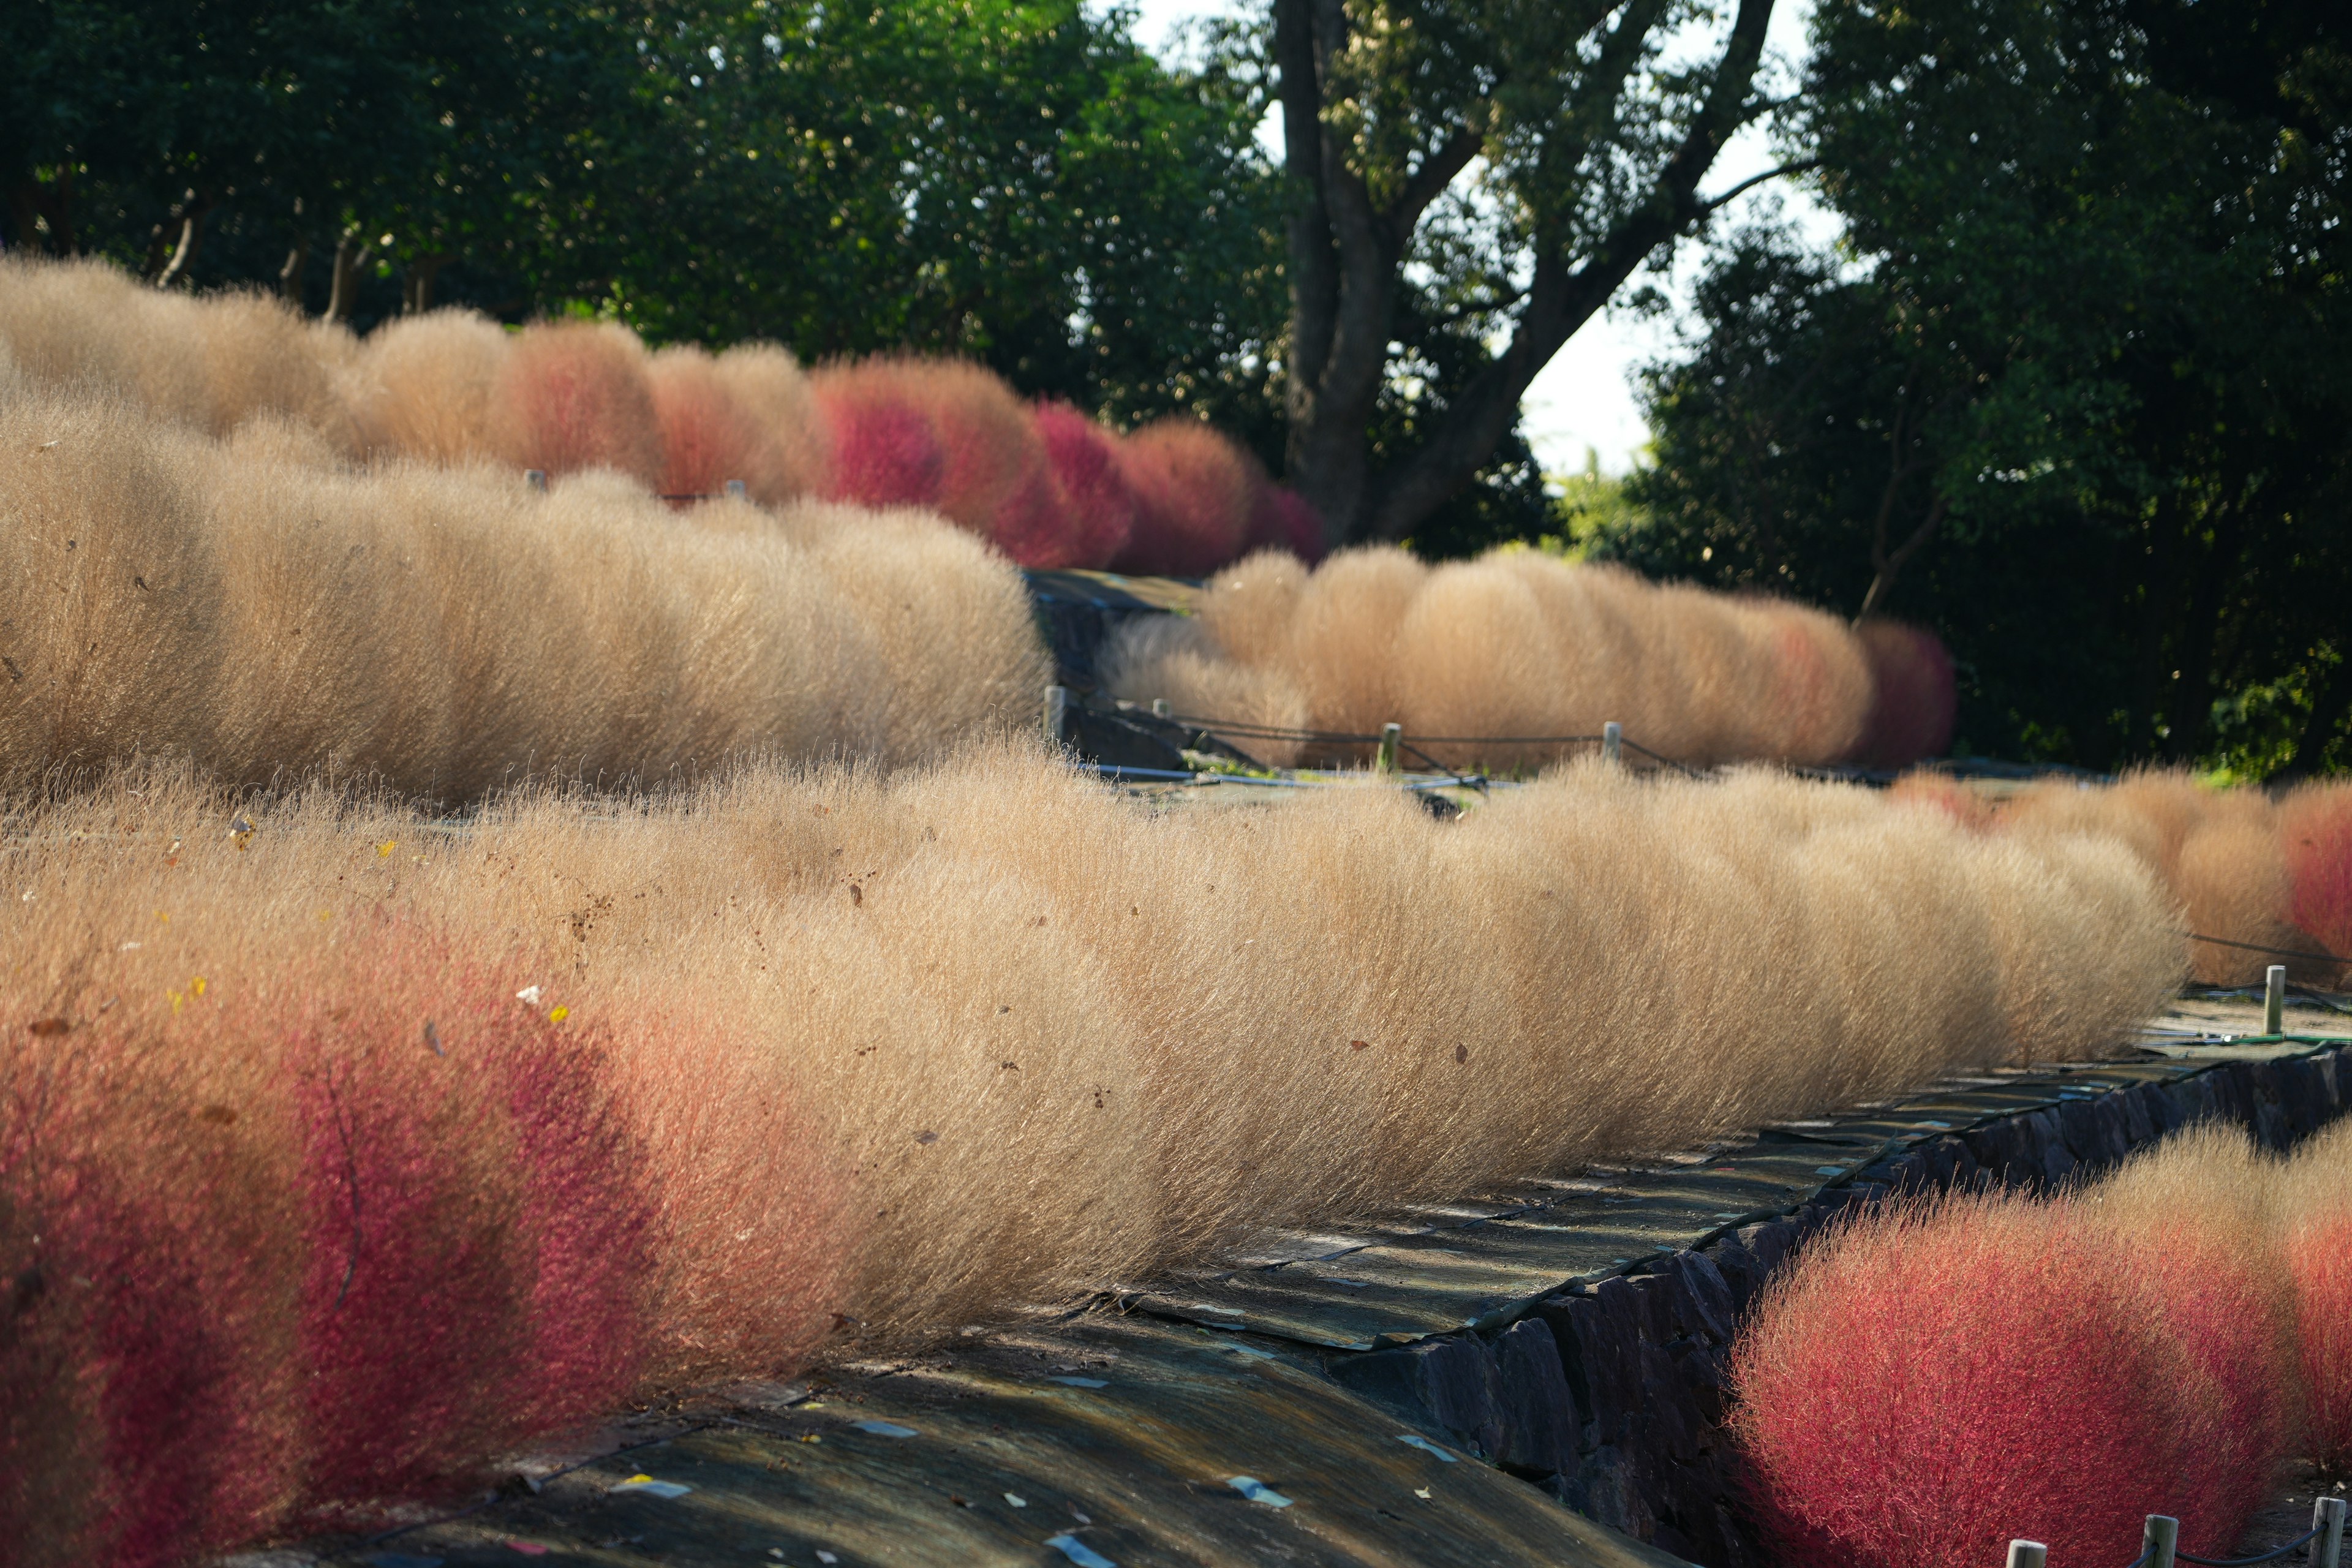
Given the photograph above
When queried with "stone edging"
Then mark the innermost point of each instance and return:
(1609, 1394)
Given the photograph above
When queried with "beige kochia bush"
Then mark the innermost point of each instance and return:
(2223, 854)
(1514, 643)
(263, 610)
(1050, 1039)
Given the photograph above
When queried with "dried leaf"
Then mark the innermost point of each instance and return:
(1359, 1045)
(46, 1026)
(927, 1137)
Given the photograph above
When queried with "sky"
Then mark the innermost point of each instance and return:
(1584, 398)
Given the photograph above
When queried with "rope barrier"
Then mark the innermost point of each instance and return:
(2273, 1555)
(2258, 947)
(2161, 1544)
(1249, 730)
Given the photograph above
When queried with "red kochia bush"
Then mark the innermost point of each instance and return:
(278, 1258)
(573, 396)
(2319, 1260)
(2316, 830)
(1099, 506)
(1913, 699)
(708, 437)
(1287, 521)
(1931, 1381)
(1196, 493)
(886, 451)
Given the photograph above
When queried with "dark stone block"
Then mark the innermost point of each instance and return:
(1603, 1489)
(1701, 1301)
(1702, 1375)
(2003, 1148)
(2330, 1066)
(1742, 1276)
(1597, 1353)
(1541, 1417)
(1768, 1243)
(2194, 1100)
(1655, 1297)
(2139, 1126)
(2058, 1163)
(2301, 1091)
(2234, 1098)
(2164, 1113)
(1450, 1385)
(1664, 1427)
(1965, 1168)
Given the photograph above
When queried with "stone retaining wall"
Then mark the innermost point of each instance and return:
(1611, 1395)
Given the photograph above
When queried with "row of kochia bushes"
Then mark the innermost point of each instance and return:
(1937, 1379)
(447, 630)
(444, 628)
(2272, 874)
(342, 1148)
(1523, 645)
(1045, 483)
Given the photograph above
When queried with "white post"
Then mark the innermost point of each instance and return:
(1385, 759)
(2327, 1546)
(1613, 742)
(2274, 1000)
(1161, 709)
(535, 478)
(2159, 1539)
(2028, 1554)
(736, 490)
(1057, 713)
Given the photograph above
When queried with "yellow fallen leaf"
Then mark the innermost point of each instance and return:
(559, 1015)
(197, 985)
(386, 848)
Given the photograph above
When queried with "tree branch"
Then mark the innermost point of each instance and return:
(1561, 301)
(1429, 182)
(1709, 204)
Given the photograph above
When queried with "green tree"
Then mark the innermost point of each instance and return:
(2076, 393)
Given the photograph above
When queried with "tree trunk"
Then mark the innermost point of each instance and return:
(417, 284)
(1345, 253)
(290, 277)
(352, 254)
(191, 239)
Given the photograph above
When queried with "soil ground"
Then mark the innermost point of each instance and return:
(2288, 1515)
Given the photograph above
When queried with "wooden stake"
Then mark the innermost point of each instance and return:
(535, 478)
(1613, 742)
(737, 491)
(2028, 1554)
(2327, 1546)
(1161, 709)
(2274, 1000)
(1385, 760)
(2159, 1539)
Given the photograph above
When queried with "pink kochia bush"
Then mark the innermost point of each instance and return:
(2315, 826)
(278, 1254)
(1931, 1383)
(575, 395)
(1938, 1377)
(1046, 485)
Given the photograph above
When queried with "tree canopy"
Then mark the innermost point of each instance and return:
(2075, 391)
(1019, 182)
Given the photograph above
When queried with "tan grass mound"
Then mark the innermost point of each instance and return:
(1502, 662)
(448, 629)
